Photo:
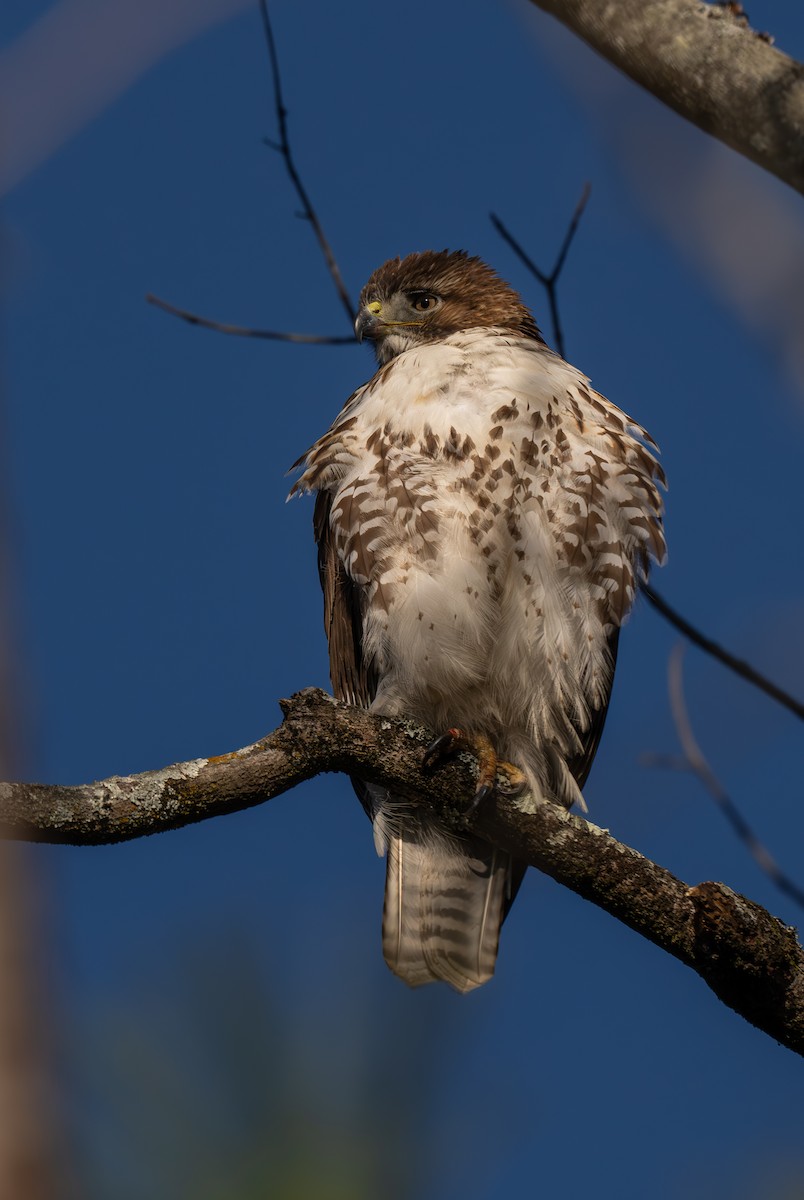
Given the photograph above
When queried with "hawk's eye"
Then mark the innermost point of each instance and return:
(424, 301)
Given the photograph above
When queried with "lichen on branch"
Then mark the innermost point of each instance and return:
(750, 959)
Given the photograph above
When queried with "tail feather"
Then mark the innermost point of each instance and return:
(445, 899)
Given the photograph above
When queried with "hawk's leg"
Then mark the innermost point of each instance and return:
(488, 765)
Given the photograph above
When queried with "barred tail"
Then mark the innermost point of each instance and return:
(445, 899)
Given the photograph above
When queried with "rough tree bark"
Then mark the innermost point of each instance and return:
(749, 958)
(704, 62)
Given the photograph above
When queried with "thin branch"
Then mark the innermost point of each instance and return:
(308, 213)
(548, 281)
(508, 237)
(572, 229)
(737, 665)
(749, 958)
(283, 148)
(702, 61)
(695, 762)
(271, 335)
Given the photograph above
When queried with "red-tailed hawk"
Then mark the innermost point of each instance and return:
(483, 518)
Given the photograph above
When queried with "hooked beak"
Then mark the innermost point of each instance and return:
(366, 325)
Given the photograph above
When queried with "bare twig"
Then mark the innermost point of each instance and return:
(749, 958)
(549, 282)
(737, 665)
(271, 335)
(283, 147)
(694, 761)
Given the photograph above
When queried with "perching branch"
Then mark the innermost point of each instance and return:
(750, 959)
(705, 63)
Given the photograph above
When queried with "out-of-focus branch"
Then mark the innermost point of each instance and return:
(693, 760)
(737, 665)
(750, 959)
(283, 147)
(271, 335)
(548, 282)
(705, 63)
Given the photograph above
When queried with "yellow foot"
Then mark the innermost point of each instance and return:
(488, 765)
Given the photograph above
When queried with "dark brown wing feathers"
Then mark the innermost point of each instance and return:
(353, 680)
(581, 764)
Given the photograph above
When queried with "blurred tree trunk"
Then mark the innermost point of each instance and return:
(29, 1130)
(31, 1139)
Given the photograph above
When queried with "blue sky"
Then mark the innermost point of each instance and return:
(166, 595)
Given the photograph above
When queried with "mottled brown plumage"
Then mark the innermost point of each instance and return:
(482, 518)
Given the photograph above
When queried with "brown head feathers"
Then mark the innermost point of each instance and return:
(469, 294)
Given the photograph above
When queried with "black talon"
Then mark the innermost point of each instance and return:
(437, 749)
(480, 795)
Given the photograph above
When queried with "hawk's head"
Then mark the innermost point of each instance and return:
(423, 298)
